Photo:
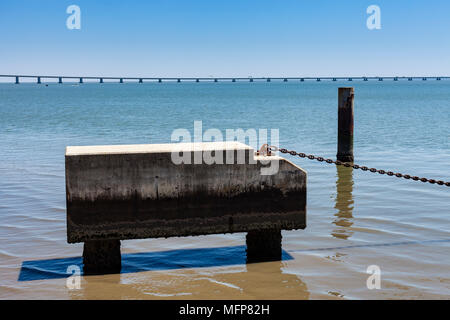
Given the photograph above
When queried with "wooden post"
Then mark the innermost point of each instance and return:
(101, 256)
(263, 245)
(345, 125)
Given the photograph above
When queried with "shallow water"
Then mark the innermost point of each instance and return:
(355, 219)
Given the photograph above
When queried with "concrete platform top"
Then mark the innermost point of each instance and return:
(155, 148)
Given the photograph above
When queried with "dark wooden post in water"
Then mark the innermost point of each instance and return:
(263, 245)
(101, 256)
(345, 125)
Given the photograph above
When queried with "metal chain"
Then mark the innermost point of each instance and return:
(355, 166)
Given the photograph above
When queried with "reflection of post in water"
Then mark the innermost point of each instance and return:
(265, 280)
(344, 202)
(96, 287)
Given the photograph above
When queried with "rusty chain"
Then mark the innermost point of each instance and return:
(348, 164)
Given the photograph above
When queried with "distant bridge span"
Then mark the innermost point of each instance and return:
(39, 78)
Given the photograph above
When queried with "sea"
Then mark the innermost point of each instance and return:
(368, 236)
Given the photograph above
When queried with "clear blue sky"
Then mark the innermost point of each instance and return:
(225, 38)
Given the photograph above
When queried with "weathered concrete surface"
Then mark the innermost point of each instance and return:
(136, 191)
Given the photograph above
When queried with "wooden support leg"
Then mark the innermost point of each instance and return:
(101, 257)
(263, 245)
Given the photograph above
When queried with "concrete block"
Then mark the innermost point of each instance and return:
(136, 191)
(142, 191)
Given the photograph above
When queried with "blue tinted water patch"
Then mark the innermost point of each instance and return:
(48, 269)
(143, 261)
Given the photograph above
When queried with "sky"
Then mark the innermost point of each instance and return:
(232, 38)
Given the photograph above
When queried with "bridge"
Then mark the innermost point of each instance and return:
(100, 79)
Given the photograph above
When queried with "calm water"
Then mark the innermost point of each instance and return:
(355, 219)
